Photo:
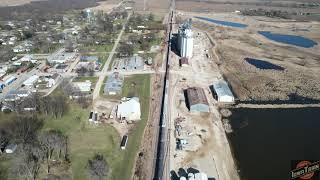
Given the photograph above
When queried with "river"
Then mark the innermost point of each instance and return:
(265, 141)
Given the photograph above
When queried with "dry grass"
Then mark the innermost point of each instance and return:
(15, 2)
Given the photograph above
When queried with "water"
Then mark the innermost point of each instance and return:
(224, 23)
(263, 64)
(266, 140)
(289, 39)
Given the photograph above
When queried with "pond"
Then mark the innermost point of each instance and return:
(263, 64)
(266, 142)
(224, 23)
(289, 39)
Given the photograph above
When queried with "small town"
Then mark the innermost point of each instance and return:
(159, 90)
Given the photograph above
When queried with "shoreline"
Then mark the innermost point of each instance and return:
(271, 106)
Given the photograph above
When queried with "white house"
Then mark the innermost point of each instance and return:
(129, 109)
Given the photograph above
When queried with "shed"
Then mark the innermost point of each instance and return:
(222, 92)
(129, 109)
(184, 61)
(197, 100)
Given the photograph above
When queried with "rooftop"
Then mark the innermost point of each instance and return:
(222, 88)
(196, 95)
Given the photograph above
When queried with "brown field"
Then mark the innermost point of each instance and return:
(15, 2)
(154, 6)
(302, 65)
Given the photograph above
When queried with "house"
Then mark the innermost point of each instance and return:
(28, 58)
(222, 92)
(11, 148)
(114, 84)
(197, 100)
(129, 109)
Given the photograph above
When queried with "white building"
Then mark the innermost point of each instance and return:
(222, 92)
(60, 57)
(11, 148)
(31, 80)
(129, 109)
(185, 40)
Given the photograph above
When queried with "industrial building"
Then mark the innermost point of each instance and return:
(133, 63)
(222, 92)
(8, 80)
(30, 82)
(129, 109)
(60, 57)
(185, 39)
(197, 100)
(113, 85)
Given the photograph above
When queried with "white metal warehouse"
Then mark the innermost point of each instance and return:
(129, 109)
(222, 92)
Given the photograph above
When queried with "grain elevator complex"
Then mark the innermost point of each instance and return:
(185, 40)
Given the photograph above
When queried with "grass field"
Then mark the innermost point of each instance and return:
(98, 48)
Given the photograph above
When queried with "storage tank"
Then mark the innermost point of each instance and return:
(185, 40)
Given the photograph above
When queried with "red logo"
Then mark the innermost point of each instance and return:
(303, 164)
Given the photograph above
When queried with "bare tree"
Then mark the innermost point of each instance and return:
(52, 141)
(97, 168)
(27, 161)
(23, 129)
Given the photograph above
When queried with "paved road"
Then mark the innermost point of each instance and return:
(20, 79)
(106, 66)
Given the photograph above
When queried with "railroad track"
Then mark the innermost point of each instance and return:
(161, 152)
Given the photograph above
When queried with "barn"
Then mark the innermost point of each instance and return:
(222, 92)
(197, 100)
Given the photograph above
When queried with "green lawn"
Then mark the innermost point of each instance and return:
(142, 90)
(86, 139)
